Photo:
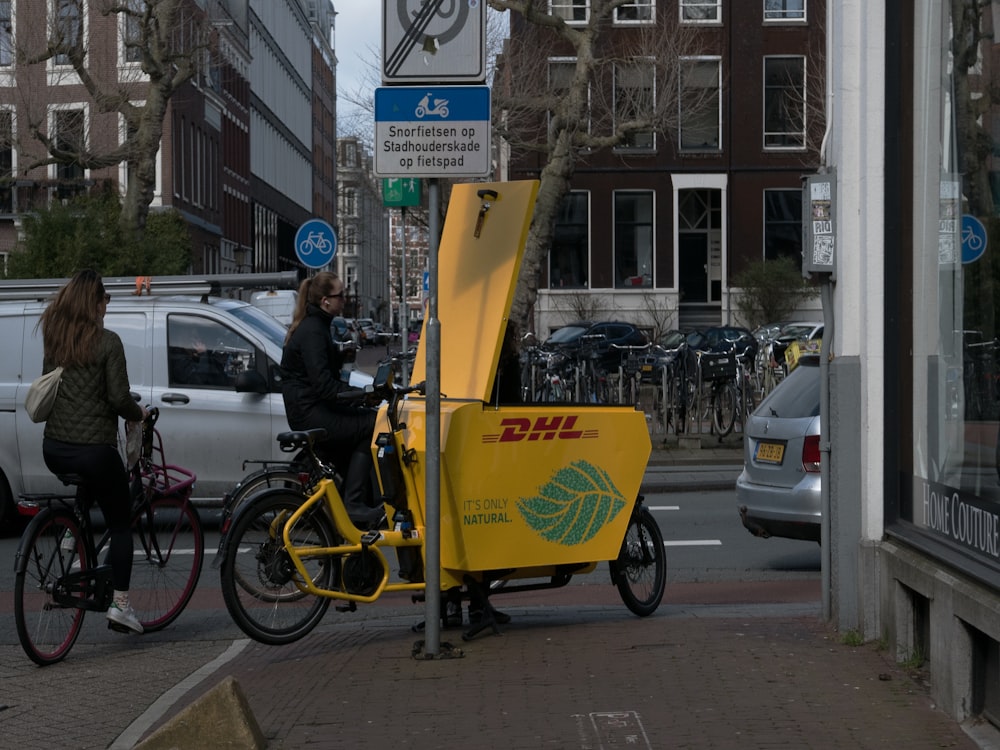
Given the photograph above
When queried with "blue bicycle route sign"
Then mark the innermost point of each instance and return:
(974, 239)
(315, 243)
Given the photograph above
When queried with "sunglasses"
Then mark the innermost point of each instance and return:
(107, 298)
(340, 294)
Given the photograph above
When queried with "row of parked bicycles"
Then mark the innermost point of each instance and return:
(684, 381)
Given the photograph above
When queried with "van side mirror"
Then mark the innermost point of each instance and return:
(250, 381)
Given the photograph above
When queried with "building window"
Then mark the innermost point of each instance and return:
(782, 224)
(701, 11)
(570, 253)
(635, 101)
(132, 31)
(784, 102)
(349, 202)
(633, 239)
(350, 154)
(637, 11)
(67, 29)
(701, 105)
(784, 10)
(69, 141)
(561, 74)
(6, 34)
(571, 11)
(6, 161)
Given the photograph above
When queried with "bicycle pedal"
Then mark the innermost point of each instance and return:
(370, 537)
(348, 607)
(118, 628)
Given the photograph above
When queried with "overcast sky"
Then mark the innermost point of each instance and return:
(358, 32)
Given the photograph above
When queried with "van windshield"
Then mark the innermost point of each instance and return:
(260, 321)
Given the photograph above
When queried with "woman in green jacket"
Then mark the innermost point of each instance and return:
(81, 433)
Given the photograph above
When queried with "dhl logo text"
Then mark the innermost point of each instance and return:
(516, 429)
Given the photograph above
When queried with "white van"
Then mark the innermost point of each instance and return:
(211, 426)
(279, 303)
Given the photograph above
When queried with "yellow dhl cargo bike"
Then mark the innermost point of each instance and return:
(530, 495)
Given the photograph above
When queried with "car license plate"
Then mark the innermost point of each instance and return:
(647, 368)
(769, 453)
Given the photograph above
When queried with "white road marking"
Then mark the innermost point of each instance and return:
(693, 543)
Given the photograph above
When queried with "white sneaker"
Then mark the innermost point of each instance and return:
(124, 617)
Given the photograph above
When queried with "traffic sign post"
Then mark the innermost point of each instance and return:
(433, 40)
(315, 243)
(432, 131)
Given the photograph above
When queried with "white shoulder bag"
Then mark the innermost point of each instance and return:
(42, 395)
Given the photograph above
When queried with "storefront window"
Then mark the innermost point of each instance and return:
(950, 492)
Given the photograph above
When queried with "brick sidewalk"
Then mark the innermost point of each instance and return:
(592, 676)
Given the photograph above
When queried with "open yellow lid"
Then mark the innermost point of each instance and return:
(477, 276)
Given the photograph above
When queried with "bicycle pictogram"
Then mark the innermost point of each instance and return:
(315, 241)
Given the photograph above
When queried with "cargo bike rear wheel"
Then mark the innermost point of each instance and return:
(640, 572)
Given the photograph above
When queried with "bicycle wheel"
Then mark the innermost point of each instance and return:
(640, 572)
(47, 625)
(724, 409)
(260, 585)
(168, 546)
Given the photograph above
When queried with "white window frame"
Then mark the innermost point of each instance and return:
(565, 9)
(800, 135)
(640, 8)
(652, 239)
(783, 14)
(694, 7)
(563, 61)
(590, 236)
(7, 72)
(680, 106)
(123, 167)
(11, 37)
(60, 74)
(636, 64)
(123, 22)
(11, 109)
(53, 169)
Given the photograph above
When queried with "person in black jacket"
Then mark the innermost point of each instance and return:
(311, 365)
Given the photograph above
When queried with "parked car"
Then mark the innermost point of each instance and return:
(570, 339)
(211, 426)
(366, 329)
(343, 329)
(724, 340)
(778, 492)
(663, 353)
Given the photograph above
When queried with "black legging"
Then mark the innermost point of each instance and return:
(106, 482)
(348, 443)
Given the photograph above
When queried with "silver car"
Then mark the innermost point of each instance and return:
(778, 492)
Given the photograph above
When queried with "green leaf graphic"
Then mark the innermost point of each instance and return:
(574, 505)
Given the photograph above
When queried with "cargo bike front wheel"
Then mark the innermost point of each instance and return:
(640, 572)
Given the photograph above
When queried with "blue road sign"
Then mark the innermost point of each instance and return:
(315, 243)
(432, 131)
(974, 239)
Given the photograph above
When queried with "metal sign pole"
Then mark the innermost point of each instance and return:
(432, 613)
(404, 308)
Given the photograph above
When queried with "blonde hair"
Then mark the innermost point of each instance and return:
(72, 324)
(311, 291)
